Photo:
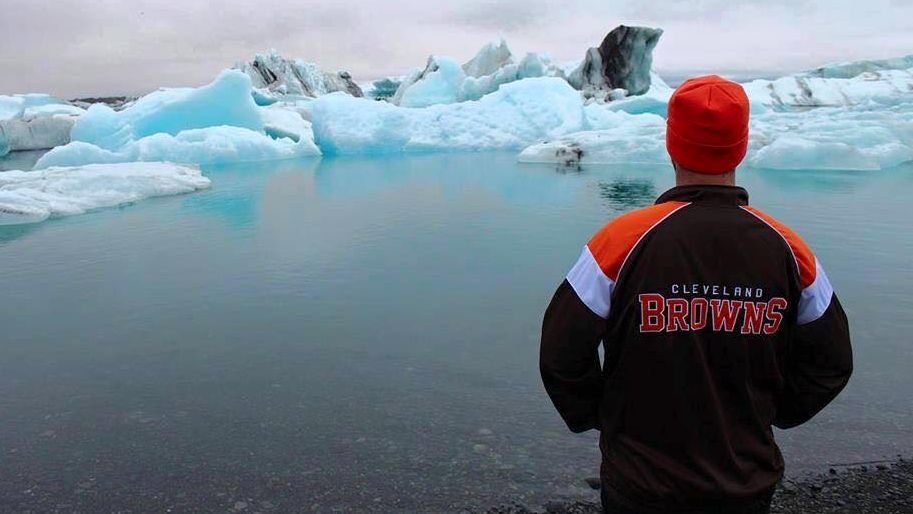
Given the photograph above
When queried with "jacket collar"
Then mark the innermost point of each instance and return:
(727, 195)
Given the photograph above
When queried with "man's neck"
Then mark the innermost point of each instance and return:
(685, 177)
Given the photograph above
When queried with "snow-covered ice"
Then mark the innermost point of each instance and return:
(216, 123)
(33, 196)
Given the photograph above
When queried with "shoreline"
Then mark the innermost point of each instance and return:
(877, 486)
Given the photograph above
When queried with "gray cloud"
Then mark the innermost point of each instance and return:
(88, 47)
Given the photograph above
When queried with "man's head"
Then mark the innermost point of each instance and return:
(707, 130)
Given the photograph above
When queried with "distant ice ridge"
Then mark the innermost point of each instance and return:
(33, 196)
(295, 77)
(216, 123)
(34, 122)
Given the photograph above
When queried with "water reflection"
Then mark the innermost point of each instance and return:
(625, 194)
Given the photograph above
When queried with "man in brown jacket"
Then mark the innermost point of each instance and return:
(717, 322)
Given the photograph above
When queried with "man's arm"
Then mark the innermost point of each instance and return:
(819, 362)
(569, 358)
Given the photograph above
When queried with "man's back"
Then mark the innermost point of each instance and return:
(708, 310)
(717, 323)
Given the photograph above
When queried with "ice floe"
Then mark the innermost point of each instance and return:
(33, 196)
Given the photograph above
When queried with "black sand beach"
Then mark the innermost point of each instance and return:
(876, 487)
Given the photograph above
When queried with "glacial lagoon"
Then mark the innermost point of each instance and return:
(361, 334)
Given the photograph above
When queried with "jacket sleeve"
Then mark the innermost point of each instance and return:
(569, 358)
(818, 366)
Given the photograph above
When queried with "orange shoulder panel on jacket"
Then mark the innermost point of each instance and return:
(612, 244)
(805, 259)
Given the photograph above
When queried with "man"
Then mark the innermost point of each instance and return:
(717, 322)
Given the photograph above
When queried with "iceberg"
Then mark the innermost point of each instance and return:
(861, 137)
(514, 116)
(216, 123)
(284, 76)
(33, 196)
(867, 137)
(226, 101)
(622, 61)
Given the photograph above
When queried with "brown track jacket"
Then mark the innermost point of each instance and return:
(717, 322)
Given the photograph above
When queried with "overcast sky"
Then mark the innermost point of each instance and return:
(95, 47)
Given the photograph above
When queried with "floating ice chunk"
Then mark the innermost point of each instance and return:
(226, 101)
(4, 143)
(514, 116)
(212, 145)
(33, 196)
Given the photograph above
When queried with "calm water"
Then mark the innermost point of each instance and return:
(360, 335)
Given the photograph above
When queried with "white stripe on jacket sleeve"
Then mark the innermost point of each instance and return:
(816, 298)
(592, 286)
